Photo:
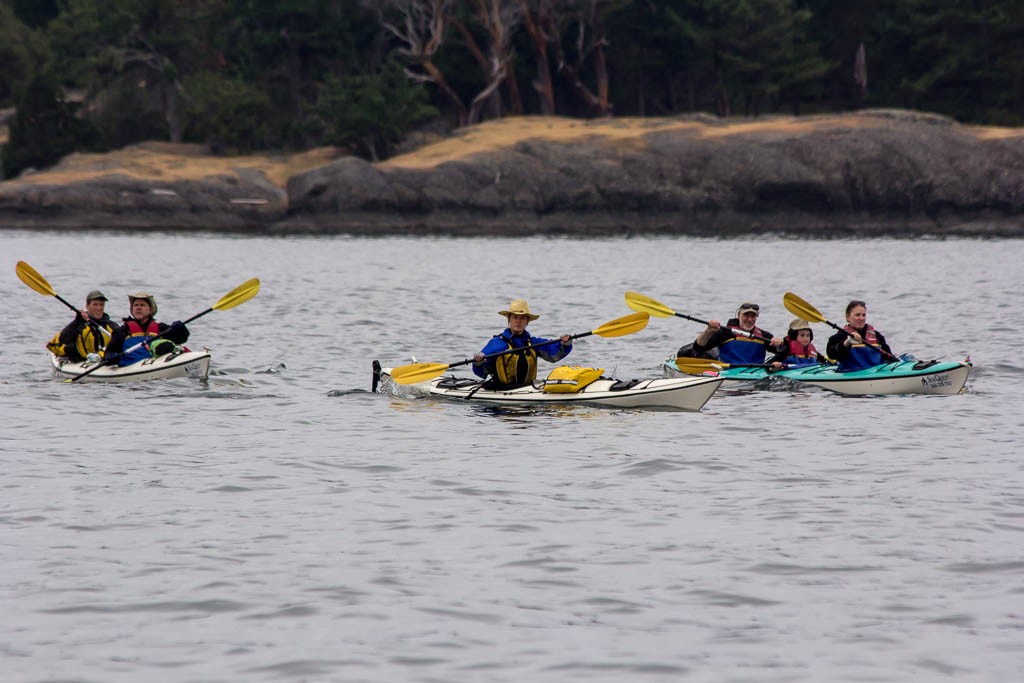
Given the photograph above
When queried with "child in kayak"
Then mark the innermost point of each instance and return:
(518, 367)
(798, 351)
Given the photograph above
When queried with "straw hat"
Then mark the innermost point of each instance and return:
(518, 307)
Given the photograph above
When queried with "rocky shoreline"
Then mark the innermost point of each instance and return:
(869, 173)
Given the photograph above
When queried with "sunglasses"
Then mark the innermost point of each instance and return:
(755, 307)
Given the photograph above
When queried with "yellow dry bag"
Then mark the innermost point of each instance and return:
(568, 379)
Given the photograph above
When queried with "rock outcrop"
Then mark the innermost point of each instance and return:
(874, 172)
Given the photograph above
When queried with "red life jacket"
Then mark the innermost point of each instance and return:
(137, 335)
(800, 354)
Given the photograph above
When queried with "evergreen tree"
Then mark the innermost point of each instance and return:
(372, 112)
(44, 130)
(22, 54)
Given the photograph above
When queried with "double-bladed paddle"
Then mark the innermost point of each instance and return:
(238, 295)
(421, 372)
(804, 310)
(691, 365)
(31, 277)
(639, 302)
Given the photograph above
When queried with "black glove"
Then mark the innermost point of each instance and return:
(177, 326)
(112, 357)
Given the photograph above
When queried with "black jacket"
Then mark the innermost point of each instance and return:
(69, 335)
(838, 351)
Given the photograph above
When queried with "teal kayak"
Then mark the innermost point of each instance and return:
(899, 377)
(733, 378)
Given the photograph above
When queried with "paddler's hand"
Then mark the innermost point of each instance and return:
(777, 342)
(775, 366)
(566, 340)
(85, 315)
(112, 358)
(705, 336)
(852, 337)
(478, 359)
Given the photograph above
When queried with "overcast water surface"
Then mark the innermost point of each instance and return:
(281, 523)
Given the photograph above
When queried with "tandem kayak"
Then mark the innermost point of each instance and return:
(193, 364)
(899, 377)
(680, 393)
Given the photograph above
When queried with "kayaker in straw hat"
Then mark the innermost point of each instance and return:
(856, 346)
(517, 368)
(82, 336)
(135, 340)
(798, 349)
(738, 349)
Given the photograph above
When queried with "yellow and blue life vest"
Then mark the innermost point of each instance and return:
(743, 350)
(516, 368)
(137, 335)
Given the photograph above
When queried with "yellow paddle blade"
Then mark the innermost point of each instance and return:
(801, 308)
(238, 295)
(417, 372)
(627, 324)
(33, 279)
(645, 304)
(695, 366)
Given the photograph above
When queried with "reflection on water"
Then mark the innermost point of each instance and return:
(282, 522)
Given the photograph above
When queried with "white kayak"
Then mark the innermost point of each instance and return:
(193, 364)
(681, 393)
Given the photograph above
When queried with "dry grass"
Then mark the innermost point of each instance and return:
(169, 162)
(504, 133)
(993, 133)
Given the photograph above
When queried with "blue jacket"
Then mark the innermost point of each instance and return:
(550, 351)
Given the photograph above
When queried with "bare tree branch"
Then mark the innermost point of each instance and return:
(420, 29)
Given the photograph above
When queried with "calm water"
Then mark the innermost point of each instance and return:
(281, 523)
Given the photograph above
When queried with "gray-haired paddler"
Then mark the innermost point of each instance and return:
(737, 349)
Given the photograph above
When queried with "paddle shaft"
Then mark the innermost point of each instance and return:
(520, 348)
(91, 322)
(639, 302)
(421, 372)
(876, 347)
(734, 330)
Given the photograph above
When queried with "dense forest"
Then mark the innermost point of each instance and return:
(244, 75)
